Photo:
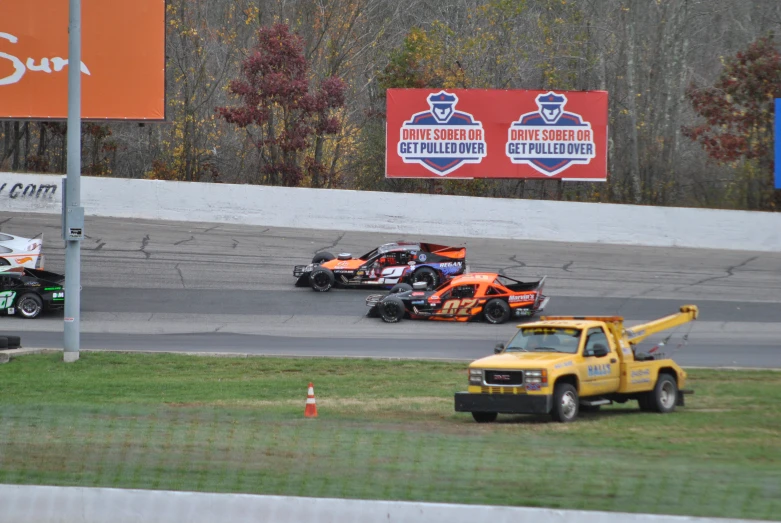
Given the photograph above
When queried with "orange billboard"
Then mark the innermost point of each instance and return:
(122, 59)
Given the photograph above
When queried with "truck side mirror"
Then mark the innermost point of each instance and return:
(600, 350)
(499, 348)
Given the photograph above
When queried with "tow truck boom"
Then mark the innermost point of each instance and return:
(639, 333)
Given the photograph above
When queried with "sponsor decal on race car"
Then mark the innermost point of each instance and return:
(422, 257)
(523, 297)
(550, 139)
(450, 264)
(533, 386)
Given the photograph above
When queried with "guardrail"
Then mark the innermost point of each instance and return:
(408, 214)
(98, 505)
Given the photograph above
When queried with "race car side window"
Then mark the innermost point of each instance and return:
(493, 291)
(8, 282)
(464, 291)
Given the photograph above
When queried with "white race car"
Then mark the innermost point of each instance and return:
(21, 252)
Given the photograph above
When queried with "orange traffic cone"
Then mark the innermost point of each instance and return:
(311, 406)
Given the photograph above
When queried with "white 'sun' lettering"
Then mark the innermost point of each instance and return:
(20, 68)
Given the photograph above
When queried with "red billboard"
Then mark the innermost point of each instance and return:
(122, 59)
(481, 133)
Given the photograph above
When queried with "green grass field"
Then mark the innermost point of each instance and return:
(386, 430)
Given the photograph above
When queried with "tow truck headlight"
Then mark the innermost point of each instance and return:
(475, 376)
(537, 376)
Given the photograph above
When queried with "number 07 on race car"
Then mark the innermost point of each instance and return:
(475, 296)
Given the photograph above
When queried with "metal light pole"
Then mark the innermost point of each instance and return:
(72, 212)
(777, 138)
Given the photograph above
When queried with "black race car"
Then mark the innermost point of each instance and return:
(29, 292)
(384, 267)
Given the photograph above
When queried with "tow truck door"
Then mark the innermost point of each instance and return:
(601, 374)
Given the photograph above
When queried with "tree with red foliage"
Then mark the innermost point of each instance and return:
(738, 112)
(276, 99)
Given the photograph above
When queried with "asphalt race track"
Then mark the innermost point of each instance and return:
(227, 288)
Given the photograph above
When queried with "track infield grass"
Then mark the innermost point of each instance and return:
(386, 430)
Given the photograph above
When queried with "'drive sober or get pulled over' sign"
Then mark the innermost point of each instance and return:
(122, 59)
(481, 133)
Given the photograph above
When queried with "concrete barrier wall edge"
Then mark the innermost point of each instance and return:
(49, 504)
(409, 214)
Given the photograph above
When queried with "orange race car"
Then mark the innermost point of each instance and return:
(467, 297)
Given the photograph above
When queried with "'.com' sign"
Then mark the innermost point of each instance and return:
(122, 59)
(496, 134)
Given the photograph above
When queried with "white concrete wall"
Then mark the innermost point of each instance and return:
(414, 214)
(21, 503)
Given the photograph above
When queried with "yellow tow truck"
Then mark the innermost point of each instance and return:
(563, 364)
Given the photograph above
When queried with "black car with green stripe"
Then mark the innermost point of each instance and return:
(29, 292)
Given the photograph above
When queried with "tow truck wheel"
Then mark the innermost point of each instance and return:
(665, 394)
(565, 403)
(484, 417)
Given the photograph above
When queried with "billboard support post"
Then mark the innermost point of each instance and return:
(73, 213)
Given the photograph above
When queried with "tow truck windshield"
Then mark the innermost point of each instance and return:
(545, 339)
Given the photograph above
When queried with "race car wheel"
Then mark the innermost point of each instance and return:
(321, 257)
(484, 417)
(391, 309)
(427, 275)
(400, 287)
(29, 306)
(496, 311)
(565, 403)
(321, 279)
